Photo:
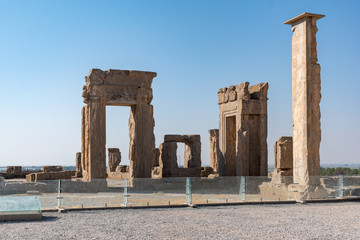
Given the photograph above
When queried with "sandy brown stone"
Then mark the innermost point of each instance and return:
(243, 130)
(284, 153)
(216, 161)
(168, 160)
(206, 171)
(34, 177)
(78, 166)
(306, 94)
(192, 153)
(114, 157)
(52, 168)
(118, 88)
(13, 169)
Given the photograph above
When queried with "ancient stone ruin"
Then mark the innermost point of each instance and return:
(242, 131)
(306, 99)
(50, 173)
(78, 167)
(13, 169)
(306, 86)
(118, 88)
(167, 162)
(215, 154)
(283, 168)
(114, 157)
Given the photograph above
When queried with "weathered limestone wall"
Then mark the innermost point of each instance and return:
(283, 168)
(284, 153)
(306, 98)
(243, 130)
(34, 177)
(114, 158)
(192, 153)
(216, 162)
(167, 161)
(118, 88)
(13, 169)
(78, 164)
(52, 168)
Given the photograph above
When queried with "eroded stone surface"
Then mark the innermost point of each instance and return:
(167, 161)
(34, 177)
(13, 169)
(216, 161)
(243, 130)
(306, 94)
(284, 153)
(78, 164)
(114, 157)
(118, 88)
(52, 168)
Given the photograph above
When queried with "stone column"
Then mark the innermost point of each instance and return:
(192, 153)
(214, 150)
(78, 164)
(97, 138)
(142, 140)
(306, 99)
(168, 159)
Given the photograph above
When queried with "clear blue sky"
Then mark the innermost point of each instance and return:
(196, 47)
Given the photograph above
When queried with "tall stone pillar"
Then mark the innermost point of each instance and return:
(215, 158)
(97, 138)
(141, 127)
(78, 164)
(306, 99)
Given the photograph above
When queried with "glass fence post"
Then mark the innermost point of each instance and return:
(126, 195)
(59, 195)
(242, 190)
(188, 191)
(341, 186)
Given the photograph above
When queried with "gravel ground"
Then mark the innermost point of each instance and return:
(283, 221)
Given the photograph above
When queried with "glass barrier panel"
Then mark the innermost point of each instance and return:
(165, 191)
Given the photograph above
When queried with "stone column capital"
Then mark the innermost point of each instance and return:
(305, 15)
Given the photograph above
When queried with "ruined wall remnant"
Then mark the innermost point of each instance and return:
(168, 160)
(306, 95)
(283, 168)
(168, 165)
(52, 168)
(284, 153)
(192, 153)
(114, 157)
(216, 161)
(34, 177)
(118, 88)
(243, 129)
(78, 164)
(13, 169)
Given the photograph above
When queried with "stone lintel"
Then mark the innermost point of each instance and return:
(117, 77)
(303, 15)
(182, 138)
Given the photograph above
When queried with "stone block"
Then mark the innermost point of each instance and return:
(13, 169)
(189, 172)
(206, 171)
(52, 168)
(114, 156)
(284, 153)
(78, 165)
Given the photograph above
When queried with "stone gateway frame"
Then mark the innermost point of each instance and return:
(243, 130)
(117, 88)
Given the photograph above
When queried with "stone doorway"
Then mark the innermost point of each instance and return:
(230, 154)
(117, 88)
